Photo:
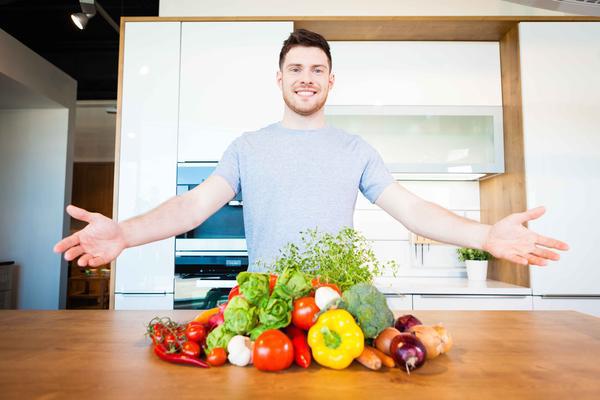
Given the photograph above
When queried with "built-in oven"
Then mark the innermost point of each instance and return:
(209, 257)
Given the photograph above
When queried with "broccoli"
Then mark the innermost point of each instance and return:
(369, 307)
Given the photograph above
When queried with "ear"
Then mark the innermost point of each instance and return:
(279, 78)
(331, 80)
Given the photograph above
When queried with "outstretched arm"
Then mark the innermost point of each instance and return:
(103, 239)
(507, 238)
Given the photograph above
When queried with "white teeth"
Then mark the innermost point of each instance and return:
(305, 93)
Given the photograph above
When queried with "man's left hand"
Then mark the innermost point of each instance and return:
(509, 239)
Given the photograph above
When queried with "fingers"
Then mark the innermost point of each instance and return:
(547, 254)
(66, 243)
(535, 260)
(532, 214)
(79, 213)
(96, 262)
(73, 253)
(551, 243)
(517, 259)
(84, 259)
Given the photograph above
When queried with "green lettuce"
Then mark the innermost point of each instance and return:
(218, 337)
(240, 316)
(297, 283)
(254, 287)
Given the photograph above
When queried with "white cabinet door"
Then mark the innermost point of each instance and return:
(471, 302)
(228, 84)
(561, 120)
(399, 302)
(416, 73)
(148, 148)
(144, 302)
(589, 305)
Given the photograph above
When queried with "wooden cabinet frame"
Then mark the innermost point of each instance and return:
(500, 195)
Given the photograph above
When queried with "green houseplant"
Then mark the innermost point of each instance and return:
(476, 262)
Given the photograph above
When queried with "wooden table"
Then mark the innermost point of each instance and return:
(103, 354)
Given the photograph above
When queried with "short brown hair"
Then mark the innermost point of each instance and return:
(306, 38)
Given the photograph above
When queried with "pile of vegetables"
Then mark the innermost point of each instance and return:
(318, 304)
(274, 321)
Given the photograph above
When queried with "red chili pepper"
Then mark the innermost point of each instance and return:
(178, 358)
(302, 355)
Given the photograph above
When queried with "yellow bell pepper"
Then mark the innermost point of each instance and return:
(335, 339)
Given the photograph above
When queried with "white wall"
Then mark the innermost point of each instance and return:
(194, 8)
(95, 131)
(32, 161)
(36, 147)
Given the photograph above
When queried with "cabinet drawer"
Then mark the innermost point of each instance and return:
(399, 302)
(586, 305)
(471, 302)
(143, 301)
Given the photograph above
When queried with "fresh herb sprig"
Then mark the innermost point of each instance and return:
(344, 259)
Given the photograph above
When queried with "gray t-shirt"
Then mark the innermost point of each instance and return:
(294, 180)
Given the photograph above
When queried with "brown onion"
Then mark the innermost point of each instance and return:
(383, 340)
(430, 338)
(447, 341)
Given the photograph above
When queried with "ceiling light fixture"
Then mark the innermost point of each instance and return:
(88, 11)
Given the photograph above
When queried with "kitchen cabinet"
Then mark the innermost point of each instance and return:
(561, 116)
(587, 305)
(147, 150)
(133, 301)
(228, 84)
(471, 302)
(399, 301)
(449, 139)
(442, 98)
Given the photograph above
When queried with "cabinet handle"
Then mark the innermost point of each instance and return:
(469, 296)
(394, 296)
(572, 296)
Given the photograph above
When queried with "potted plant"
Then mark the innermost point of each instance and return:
(476, 262)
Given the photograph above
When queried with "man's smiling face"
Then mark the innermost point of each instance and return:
(305, 79)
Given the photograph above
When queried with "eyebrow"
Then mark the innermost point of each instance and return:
(313, 66)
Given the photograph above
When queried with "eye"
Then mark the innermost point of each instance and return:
(295, 69)
(318, 70)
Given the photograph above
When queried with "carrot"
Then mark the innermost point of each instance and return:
(205, 315)
(369, 359)
(385, 359)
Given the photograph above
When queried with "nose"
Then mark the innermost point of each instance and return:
(306, 78)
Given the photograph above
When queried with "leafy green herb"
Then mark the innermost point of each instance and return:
(472, 254)
(344, 259)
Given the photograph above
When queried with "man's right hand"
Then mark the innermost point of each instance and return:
(100, 242)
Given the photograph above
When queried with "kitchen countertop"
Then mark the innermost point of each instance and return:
(103, 354)
(460, 286)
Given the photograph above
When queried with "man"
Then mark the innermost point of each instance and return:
(299, 174)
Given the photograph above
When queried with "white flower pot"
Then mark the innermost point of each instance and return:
(476, 270)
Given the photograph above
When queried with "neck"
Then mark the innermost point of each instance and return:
(293, 120)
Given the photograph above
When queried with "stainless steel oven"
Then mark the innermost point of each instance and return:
(209, 257)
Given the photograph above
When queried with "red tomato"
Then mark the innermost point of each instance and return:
(234, 292)
(217, 357)
(170, 341)
(272, 282)
(191, 349)
(195, 332)
(157, 333)
(273, 351)
(304, 312)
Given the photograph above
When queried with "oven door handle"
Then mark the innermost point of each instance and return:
(235, 203)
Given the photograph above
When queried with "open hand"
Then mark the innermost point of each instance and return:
(100, 242)
(509, 239)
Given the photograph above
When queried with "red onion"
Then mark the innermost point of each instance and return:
(408, 351)
(405, 322)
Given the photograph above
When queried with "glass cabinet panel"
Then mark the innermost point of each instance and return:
(428, 139)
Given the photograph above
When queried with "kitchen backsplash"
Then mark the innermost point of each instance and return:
(392, 241)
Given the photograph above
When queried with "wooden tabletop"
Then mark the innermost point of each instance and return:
(104, 355)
